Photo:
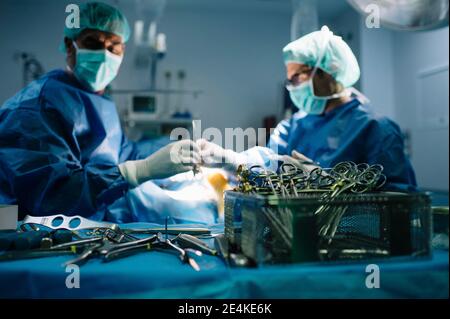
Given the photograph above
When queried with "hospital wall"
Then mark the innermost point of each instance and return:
(32, 27)
(420, 69)
(377, 73)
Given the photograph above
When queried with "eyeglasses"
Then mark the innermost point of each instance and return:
(297, 79)
(93, 43)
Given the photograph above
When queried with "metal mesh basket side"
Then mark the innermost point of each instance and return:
(279, 230)
(421, 225)
(233, 219)
(266, 237)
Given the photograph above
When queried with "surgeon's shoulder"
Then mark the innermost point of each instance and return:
(27, 97)
(57, 82)
(61, 93)
(381, 124)
(30, 96)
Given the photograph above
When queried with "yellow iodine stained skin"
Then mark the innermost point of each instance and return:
(220, 184)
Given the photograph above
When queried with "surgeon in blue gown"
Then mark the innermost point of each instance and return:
(62, 149)
(333, 124)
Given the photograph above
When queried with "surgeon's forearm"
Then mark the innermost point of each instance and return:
(83, 191)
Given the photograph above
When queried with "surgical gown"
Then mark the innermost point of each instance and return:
(59, 150)
(350, 132)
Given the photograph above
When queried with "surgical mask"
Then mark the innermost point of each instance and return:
(304, 98)
(96, 68)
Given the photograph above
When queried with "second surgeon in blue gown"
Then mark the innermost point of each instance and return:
(62, 149)
(331, 125)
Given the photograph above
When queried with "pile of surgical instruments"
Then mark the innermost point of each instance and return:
(292, 181)
(88, 239)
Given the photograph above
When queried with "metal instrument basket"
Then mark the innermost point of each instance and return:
(271, 229)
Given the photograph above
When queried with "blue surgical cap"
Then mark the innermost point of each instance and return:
(336, 57)
(100, 16)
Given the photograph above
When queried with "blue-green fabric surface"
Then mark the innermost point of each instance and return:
(162, 275)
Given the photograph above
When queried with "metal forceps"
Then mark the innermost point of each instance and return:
(185, 255)
(287, 173)
(264, 178)
(357, 178)
(105, 248)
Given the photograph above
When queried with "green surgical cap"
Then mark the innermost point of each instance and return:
(100, 16)
(337, 59)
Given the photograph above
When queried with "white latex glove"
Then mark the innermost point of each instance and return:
(212, 155)
(172, 159)
(300, 161)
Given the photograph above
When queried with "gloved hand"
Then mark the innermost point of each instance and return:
(172, 159)
(301, 161)
(212, 155)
